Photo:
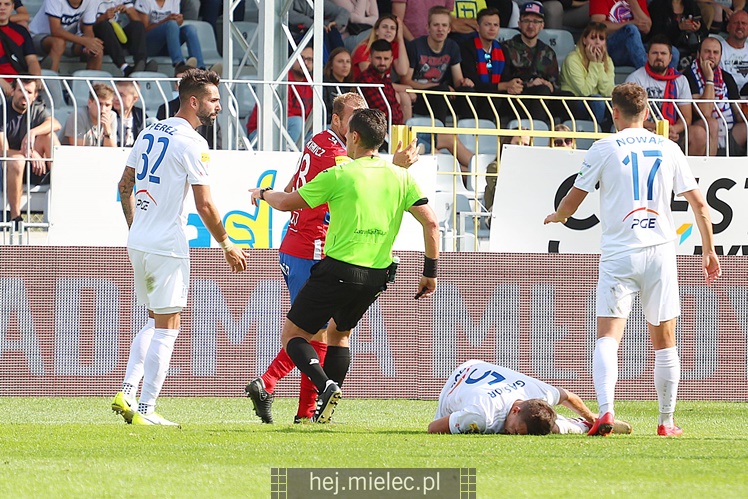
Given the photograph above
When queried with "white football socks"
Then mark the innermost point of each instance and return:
(577, 425)
(605, 373)
(138, 349)
(666, 379)
(156, 366)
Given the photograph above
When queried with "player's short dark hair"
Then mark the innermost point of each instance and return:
(488, 11)
(381, 45)
(660, 39)
(195, 82)
(538, 415)
(371, 126)
(630, 99)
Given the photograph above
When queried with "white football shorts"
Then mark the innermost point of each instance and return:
(652, 272)
(161, 282)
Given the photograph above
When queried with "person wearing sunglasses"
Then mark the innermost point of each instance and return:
(563, 142)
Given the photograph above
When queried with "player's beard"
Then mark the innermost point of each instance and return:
(206, 117)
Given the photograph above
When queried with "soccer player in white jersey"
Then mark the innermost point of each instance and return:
(638, 171)
(487, 398)
(167, 158)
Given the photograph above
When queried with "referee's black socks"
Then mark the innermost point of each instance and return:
(306, 359)
(337, 362)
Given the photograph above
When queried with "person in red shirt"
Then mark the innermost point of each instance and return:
(296, 108)
(387, 27)
(627, 22)
(302, 247)
(22, 60)
(378, 72)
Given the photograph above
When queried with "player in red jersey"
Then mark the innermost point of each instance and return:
(302, 248)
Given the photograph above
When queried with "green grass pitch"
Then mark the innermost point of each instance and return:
(76, 447)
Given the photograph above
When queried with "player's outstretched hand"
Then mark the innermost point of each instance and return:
(712, 270)
(255, 195)
(236, 259)
(554, 218)
(404, 158)
(426, 287)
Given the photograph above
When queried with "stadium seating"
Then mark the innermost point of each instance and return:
(534, 125)
(82, 90)
(249, 31)
(583, 126)
(486, 144)
(506, 34)
(154, 93)
(560, 40)
(477, 181)
(207, 42)
(448, 178)
(244, 97)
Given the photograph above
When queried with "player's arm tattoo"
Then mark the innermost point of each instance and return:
(126, 195)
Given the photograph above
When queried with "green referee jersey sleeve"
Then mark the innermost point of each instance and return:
(367, 199)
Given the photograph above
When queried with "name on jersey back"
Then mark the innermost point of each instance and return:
(161, 127)
(640, 139)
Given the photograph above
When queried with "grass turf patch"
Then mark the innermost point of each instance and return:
(76, 447)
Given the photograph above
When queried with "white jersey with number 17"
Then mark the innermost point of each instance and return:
(168, 157)
(638, 171)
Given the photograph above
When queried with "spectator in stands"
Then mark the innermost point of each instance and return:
(301, 19)
(207, 131)
(735, 52)
(296, 107)
(165, 33)
(561, 141)
(210, 10)
(627, 22)
(465, 14)
(21, 15)
(493, 168)
(337, 70)
(190, 9)
(388, 28)
(362, 14)
(708, 81)
(96, 123)
(26, 149)
(101, 20)
(130, 116)
(56, 31)
(483, 63)
(663, 82)
(533, 62)
(588, 71)
(415, 15)
(717, 13)
(435, 65)
(680, 21)
(379, 72)
(566, 13)
(20, 57)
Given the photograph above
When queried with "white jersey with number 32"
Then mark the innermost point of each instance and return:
(168, 157)
(478, 396)
(638, 171)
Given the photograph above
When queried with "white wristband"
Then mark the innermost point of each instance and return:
(226, 245)
(708, 82)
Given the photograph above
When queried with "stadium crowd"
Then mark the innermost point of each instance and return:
(676, 49)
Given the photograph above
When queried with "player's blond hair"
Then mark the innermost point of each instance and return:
(348, 99)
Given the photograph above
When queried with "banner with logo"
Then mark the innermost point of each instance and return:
(85, 209)
(533, 180)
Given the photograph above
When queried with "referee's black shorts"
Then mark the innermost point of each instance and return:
(337, 290)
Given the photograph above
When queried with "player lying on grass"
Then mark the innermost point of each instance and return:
(486, 398)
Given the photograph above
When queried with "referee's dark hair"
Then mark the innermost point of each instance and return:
(195, 82)
(371, 126)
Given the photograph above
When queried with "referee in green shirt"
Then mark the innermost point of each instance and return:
(367, 199)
